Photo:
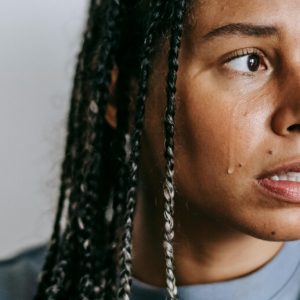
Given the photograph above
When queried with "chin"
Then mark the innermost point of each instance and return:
(275, 226)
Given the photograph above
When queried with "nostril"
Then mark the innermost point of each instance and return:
(294, 128)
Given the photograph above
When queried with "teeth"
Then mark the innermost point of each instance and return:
(290, 176)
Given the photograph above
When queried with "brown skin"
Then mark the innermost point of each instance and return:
(230, 127)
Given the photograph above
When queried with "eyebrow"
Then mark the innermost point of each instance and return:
(242, 29)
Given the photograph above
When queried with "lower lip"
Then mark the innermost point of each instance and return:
(287, 191)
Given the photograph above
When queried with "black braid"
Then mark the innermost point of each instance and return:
(67, 168)
(90, 211)
(68, 247)
(126, 255)
(98, 183)
(55, 286)
(175, 41)
(121, 170)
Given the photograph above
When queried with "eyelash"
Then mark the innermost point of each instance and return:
(244, 52)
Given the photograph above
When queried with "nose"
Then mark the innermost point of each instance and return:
(286, 118)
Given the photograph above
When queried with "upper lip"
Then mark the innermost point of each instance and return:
(281, 169)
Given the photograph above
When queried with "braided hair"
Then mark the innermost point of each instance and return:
(99, 171)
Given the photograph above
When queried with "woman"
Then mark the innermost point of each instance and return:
(183, 155)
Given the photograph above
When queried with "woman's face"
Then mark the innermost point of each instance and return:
(237, 114)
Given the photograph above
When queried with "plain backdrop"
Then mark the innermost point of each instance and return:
(39, 44)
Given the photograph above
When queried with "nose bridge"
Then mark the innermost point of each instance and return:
(286, 119)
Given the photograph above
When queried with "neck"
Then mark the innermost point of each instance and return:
(205, 250)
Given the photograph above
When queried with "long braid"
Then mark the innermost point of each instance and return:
(98, 182)
(126, 251)
(120, 170)
(90, 211)
(60, 273)
(67, 169)
(68, 249)
(175, 41)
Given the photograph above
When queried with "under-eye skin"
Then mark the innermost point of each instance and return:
(246, 62)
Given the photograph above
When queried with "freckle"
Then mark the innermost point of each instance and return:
(240, 165)
(270, 152)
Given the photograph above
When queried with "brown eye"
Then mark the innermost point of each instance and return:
(247, 63)
(253, 62)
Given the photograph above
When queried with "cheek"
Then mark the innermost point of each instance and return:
(220, 149)
(220, 132)
(205, 139)
(211, 135)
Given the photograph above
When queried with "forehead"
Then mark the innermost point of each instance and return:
(212, 13)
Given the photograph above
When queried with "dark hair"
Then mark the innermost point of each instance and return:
(99, 180)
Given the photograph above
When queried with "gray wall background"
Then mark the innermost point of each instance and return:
(38, 48)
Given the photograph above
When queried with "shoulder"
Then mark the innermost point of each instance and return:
(18, 274)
